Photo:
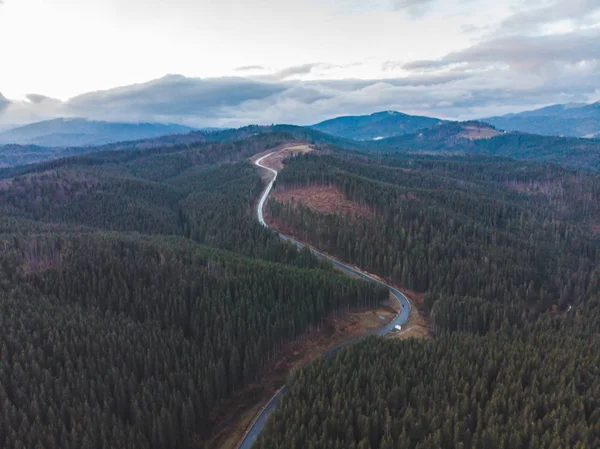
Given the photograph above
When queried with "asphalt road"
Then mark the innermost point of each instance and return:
(259, 422)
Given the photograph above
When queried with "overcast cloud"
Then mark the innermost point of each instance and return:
(436, 58)
(413, 7)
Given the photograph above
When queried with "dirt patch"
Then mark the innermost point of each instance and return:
(473, 132)
(551, 189)
(281, 153)
(416, 299)
(323, 198)
(232, 417)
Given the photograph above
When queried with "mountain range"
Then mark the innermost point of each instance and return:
(381, 132)
(568, 120)
(67, 132)
(574, 119)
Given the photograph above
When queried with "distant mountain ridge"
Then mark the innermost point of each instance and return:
(66, 132)
(462, 137)
(481, 138)
(574, 120)
(375, 126)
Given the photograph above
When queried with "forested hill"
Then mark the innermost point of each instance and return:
(467, 137)
(121, 323)
(139, 292)
(476, 234)
(71, 132)
(506, 254)
(480, 138)
(375, 126)
(15, 155)
(579, 120)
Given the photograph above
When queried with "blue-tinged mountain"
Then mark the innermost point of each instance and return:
(481, 138)
(66, 132)
(574, 119)
(375, 126)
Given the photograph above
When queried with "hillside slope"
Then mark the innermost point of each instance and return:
(575, 120)
(120, 327)
(505, 253)
(481, 138)
(375, 126)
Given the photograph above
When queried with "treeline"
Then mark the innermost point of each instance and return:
(485, 254)
(114, 341)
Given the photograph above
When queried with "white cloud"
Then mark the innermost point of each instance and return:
(296, 61)
(415, 8)
(235, 101)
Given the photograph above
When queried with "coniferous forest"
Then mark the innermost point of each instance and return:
(506, 254)
(138, 291)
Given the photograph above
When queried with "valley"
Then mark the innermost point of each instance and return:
(300, 225)
(170, 241)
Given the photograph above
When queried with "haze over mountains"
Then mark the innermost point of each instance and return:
(234, 101)
(63, 132)
(575, 119)
(471, 137)
(552, 134)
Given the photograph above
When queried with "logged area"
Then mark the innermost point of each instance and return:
(321, 198)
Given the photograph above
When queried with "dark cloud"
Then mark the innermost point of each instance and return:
(248, 68)
(529, 53)
(530, 20)
(37, 98)
(415, 8)
(474, 88)
(176, 95)
(303, 69)
(425, 65)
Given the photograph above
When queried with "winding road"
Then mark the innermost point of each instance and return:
(260, 420)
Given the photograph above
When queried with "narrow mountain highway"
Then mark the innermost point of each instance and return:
(260, 420)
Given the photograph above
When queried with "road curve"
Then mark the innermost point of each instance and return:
(260, 420)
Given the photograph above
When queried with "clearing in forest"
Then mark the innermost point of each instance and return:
(322, 198)
(474, 132)
(285, 151)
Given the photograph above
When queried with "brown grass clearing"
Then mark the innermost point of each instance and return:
(323, 198)
(474, 132)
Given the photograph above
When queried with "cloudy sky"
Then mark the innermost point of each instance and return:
(234, 62)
